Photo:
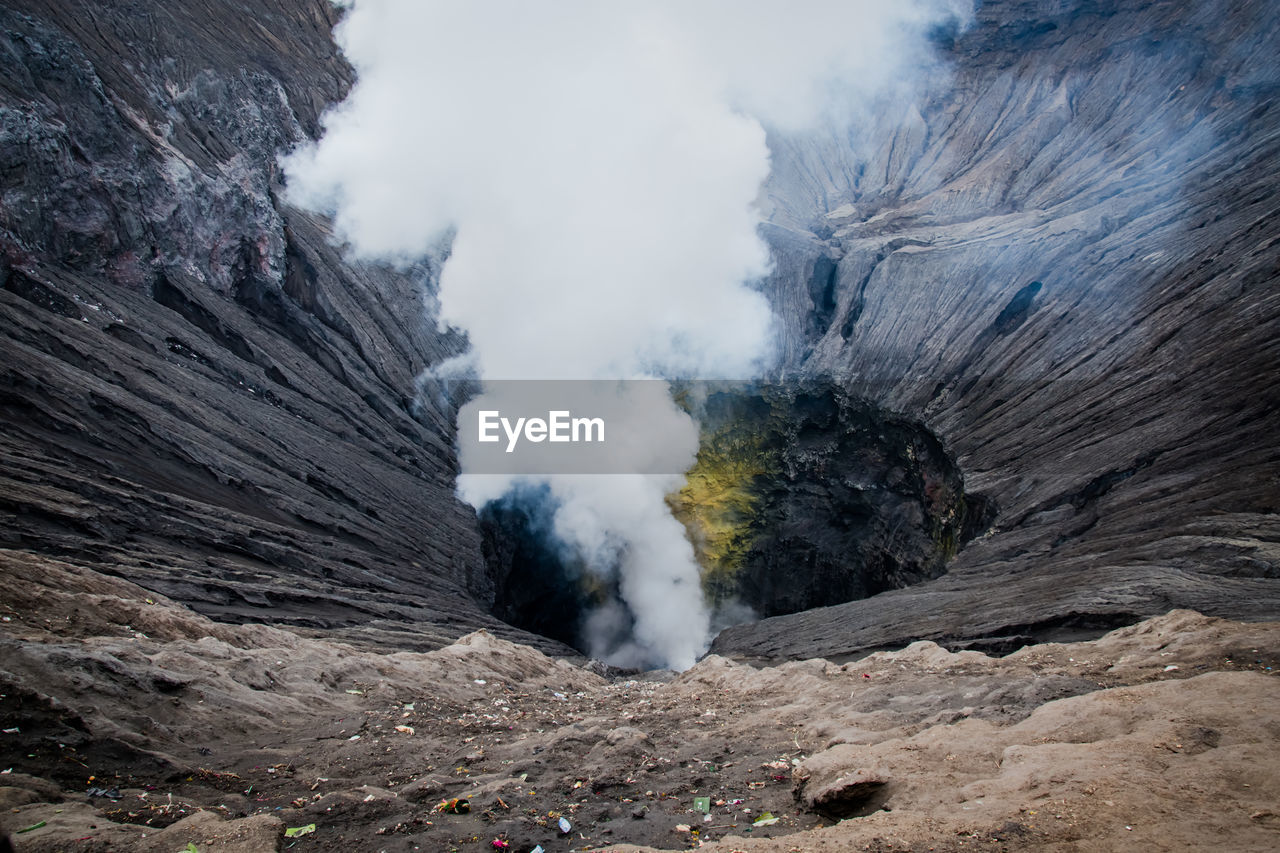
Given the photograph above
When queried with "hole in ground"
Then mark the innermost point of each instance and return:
(801, 497)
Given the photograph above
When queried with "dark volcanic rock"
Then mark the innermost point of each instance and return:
(803, 497)
(1066, 262)
(198, 392)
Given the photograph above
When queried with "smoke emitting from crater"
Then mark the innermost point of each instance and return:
(597, 169)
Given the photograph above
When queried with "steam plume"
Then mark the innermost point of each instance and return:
(597, 165)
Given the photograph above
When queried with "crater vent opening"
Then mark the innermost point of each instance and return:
(801, 496)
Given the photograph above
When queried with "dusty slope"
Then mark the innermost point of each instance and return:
(1158, 736)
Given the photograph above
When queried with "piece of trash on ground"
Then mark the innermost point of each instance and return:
(702, 804)
(565, 826)
(299, 831)
(109, 793)
(30, 828)
(457, 805)
(766, 819)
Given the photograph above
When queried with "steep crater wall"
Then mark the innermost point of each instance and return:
(1062, 259)
(200, 392)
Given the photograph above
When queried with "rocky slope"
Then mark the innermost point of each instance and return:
(1066, 263)
(198, 392)
(134, 724)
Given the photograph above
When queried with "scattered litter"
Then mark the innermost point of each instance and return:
(191, 847)
(354, 737)
(702, 804)
(457, 805)
(706, 818)
(355, 692)
(683, 827)
(481, 682)
(29, 828)
(537, 849)
(565, 826)
(766, 819)
(407, 730)
(369, 798)
(500, 844)
(1170, 668)
(408, 706)
(299, 831)
(13, 731)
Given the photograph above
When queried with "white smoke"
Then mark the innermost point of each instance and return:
(597, 165)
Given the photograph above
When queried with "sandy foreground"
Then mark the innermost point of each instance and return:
(133, 724)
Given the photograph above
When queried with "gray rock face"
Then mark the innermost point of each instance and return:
(198, 392)
(1066, 262)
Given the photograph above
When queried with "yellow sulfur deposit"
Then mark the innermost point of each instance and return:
(719, 502)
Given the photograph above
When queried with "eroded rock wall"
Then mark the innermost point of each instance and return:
(1065, 260)
(198, 392)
